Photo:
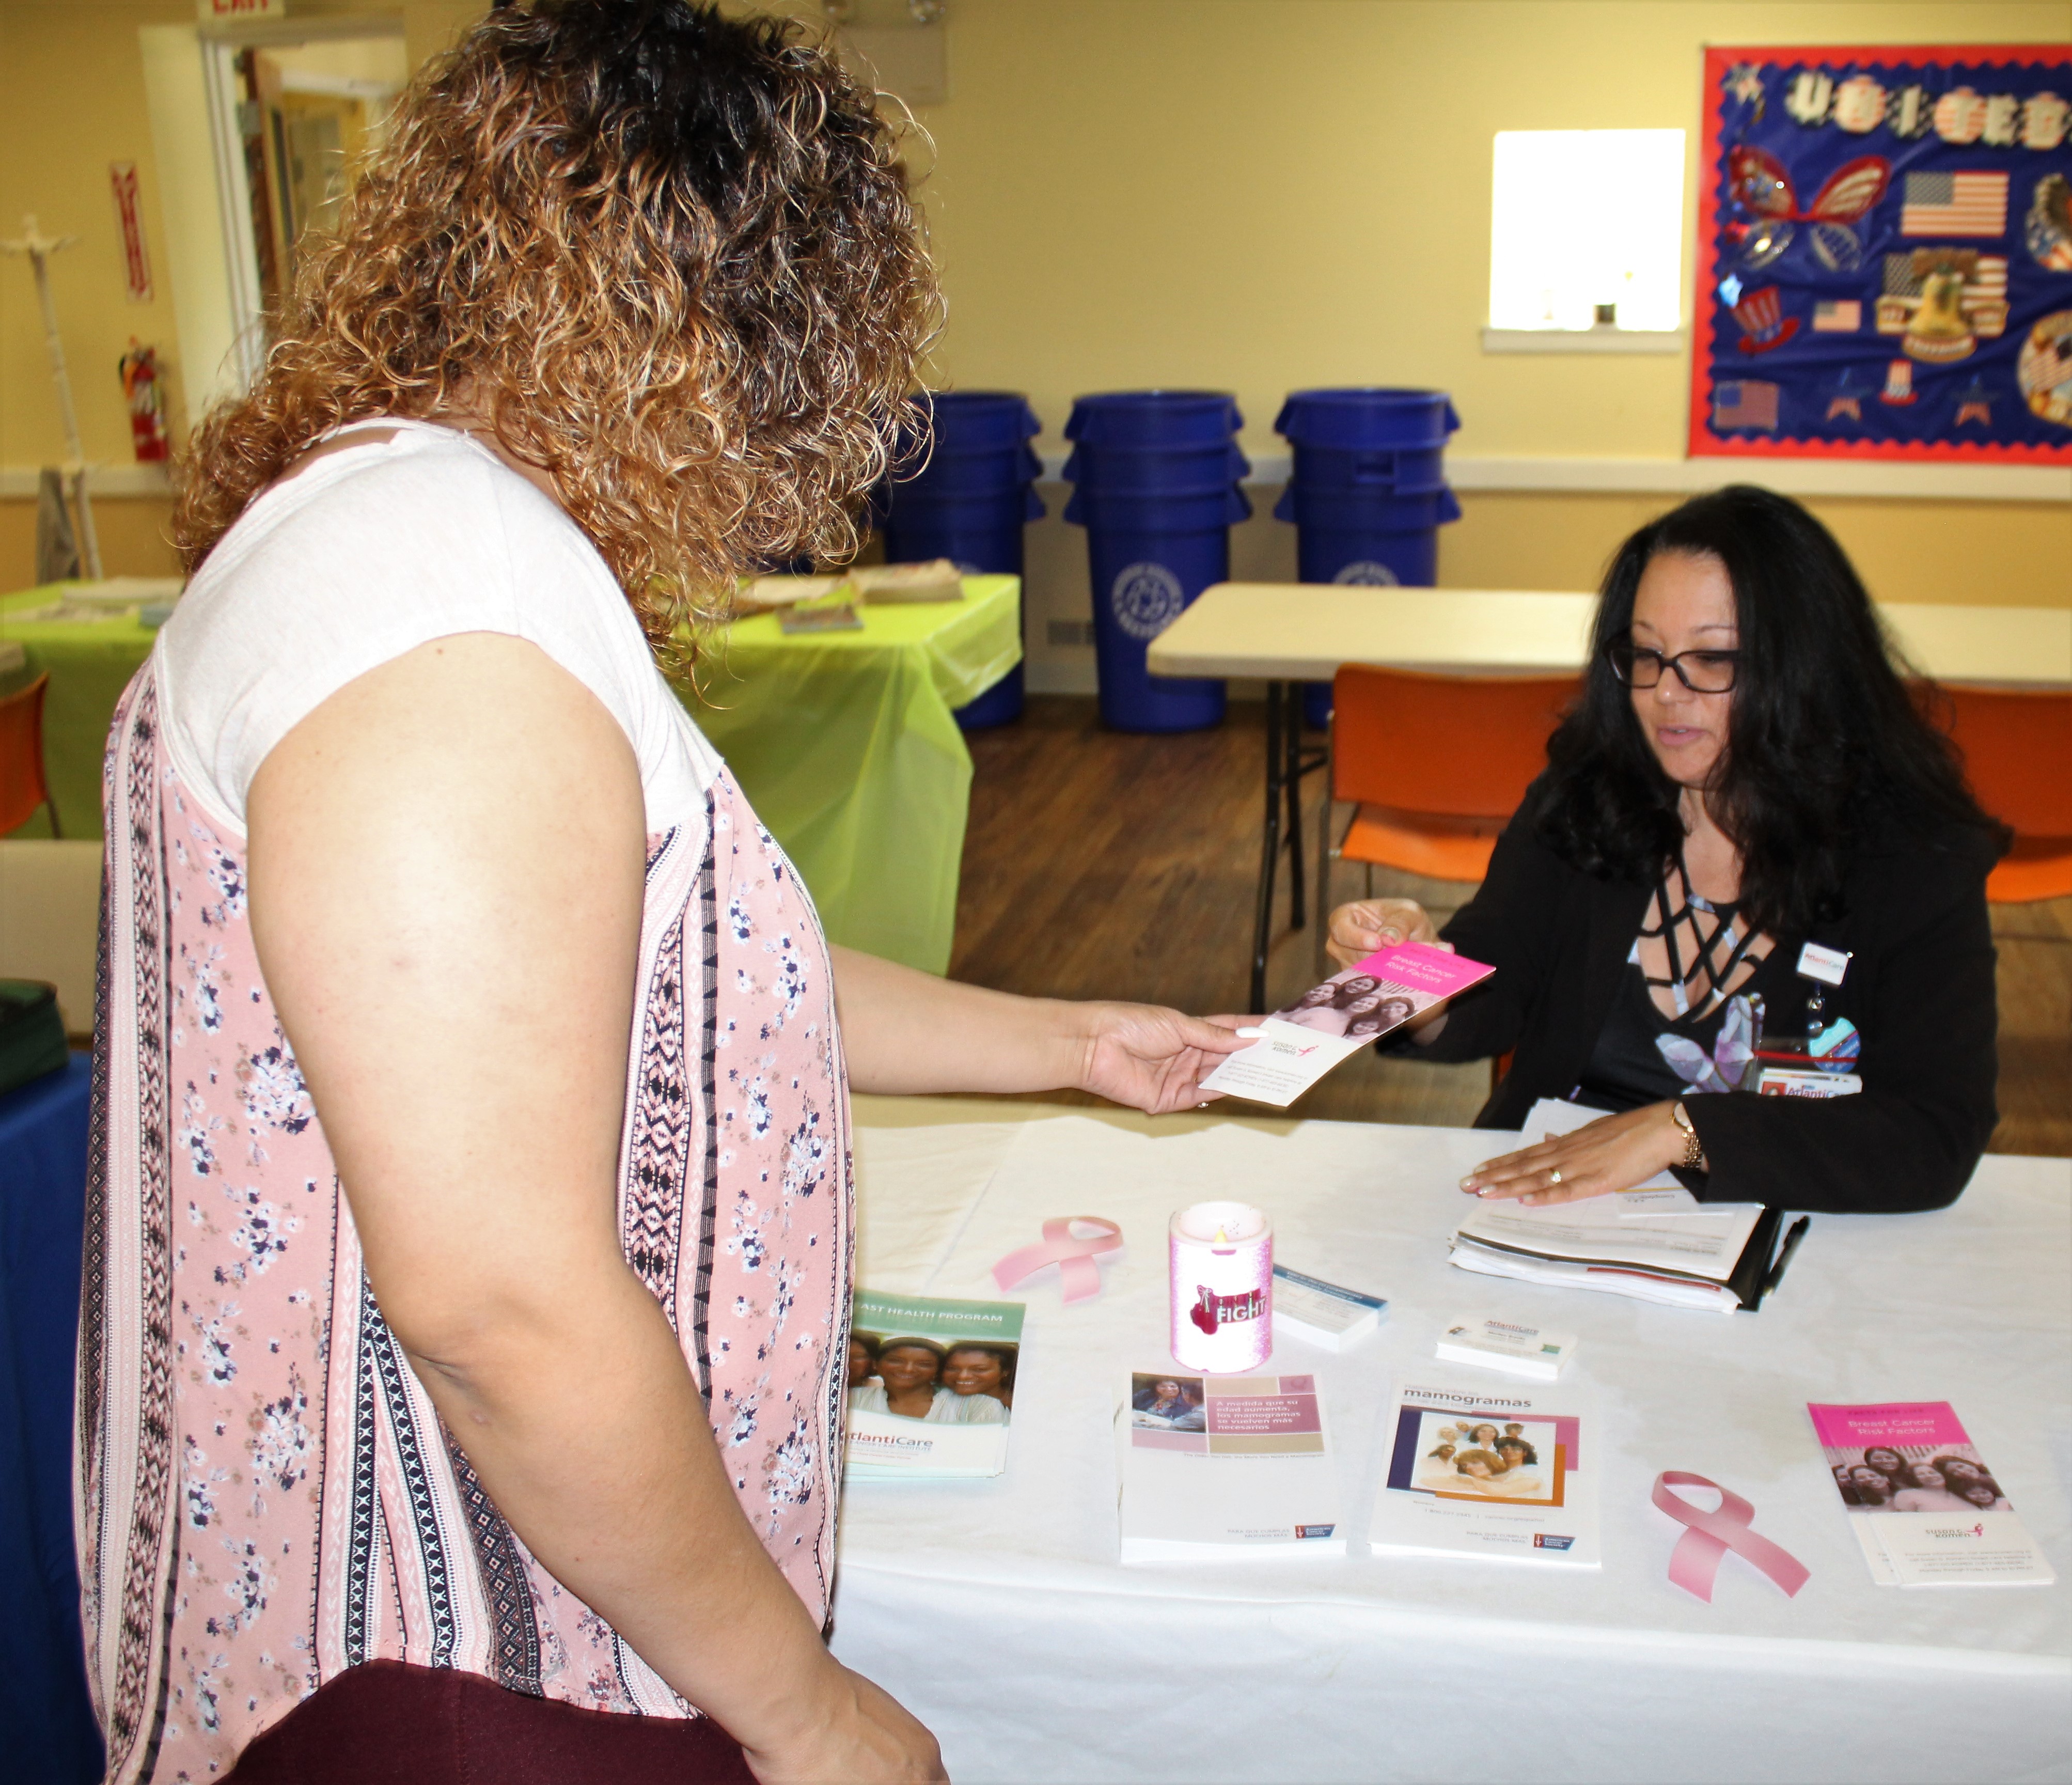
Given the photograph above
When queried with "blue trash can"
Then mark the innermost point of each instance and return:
(968, 503)
(1368, 491)
(1156, 476)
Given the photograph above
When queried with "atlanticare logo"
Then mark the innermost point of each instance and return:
(1542, 1540)
(1302, 1530)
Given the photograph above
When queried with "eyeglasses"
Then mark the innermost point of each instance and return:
(1708, 672)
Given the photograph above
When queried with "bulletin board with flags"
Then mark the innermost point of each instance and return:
(1884, 265)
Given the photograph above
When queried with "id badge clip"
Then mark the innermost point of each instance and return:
(1825, 968)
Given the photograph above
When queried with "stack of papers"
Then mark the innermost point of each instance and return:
(1656, 1242)
(1510, 1345)
(1927, 1509)
(1321, 1313)
(1502, 1473)
(1214, 1466)
(930, 1387)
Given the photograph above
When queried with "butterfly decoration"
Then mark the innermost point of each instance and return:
(1758, 183)
(1721, 1069)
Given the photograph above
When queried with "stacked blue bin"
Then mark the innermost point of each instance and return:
(968, 503)
(1156, 475)
(1368, 494)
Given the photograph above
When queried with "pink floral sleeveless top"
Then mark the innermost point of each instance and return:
(266, 1496)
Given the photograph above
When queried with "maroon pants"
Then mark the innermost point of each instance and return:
(389, 1723)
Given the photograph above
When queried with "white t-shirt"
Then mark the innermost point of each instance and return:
(376, 548)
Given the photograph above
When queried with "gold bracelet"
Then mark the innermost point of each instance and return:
(1694, 1149)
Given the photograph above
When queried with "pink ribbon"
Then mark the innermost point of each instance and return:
(1694, 1562)
(1072, 1254)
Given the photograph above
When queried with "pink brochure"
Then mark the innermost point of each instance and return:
(1332, 1021)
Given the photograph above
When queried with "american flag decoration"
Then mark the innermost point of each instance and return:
(1744, 403)
(1955, 204)
(1975, 404)
(1838, 316)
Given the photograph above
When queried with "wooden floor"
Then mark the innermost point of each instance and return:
(1102, 865)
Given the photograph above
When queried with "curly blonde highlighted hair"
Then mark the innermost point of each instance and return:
(670, 256)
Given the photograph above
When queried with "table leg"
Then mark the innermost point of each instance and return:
(1269, 852)
(1291, 776)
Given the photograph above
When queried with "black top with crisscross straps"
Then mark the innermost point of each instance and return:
(1919, 989)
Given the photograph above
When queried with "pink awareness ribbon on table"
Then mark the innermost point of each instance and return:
(1694, 1562)
(1073, 1254)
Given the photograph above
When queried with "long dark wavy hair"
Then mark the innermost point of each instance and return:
(1826, 740)
(669, 252)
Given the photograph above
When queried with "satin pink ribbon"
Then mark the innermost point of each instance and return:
(1694, 1562)
(1073, 1255)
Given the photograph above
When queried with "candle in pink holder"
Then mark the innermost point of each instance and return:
(1222, 1258)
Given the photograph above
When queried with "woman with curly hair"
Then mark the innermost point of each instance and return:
(1743, 774)
(464, 1331)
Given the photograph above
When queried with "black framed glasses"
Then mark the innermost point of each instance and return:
(1702, 672)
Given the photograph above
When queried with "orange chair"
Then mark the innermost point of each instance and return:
(22, 786)
(2018, 746)
(1436, 765)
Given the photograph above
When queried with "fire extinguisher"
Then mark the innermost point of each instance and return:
(147, 403)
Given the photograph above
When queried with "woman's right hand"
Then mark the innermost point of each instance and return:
(1358, 929)
(859, 1731)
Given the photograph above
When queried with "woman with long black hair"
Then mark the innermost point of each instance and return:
(1745, 774)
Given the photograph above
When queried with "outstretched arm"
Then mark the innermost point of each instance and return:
(908, 1032)
(446, 859)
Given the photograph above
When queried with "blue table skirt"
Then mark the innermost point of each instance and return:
(44, 1709)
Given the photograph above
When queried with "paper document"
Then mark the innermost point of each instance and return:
(1333, 1021)
(1505, 1473)
(1926, 1510)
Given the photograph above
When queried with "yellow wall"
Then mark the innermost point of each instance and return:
(1255, 195)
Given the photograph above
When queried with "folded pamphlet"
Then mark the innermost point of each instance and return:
(1500, 1473)
(1333, 1021)
(1926, 1510)
(930, 1387)
(1216, 1467)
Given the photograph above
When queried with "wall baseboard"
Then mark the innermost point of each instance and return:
(115, 482)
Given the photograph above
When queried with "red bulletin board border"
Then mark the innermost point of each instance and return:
(1700, 442)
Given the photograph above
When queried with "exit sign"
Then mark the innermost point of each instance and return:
(225, 12)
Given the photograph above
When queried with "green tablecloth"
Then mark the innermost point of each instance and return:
(843, 741)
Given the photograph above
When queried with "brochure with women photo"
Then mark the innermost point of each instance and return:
(1226, 1465)
(1332, 1021)
(1502, 1474)
(930, 1387)
(1927, 1509)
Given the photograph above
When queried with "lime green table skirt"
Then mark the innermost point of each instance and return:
(844, 741)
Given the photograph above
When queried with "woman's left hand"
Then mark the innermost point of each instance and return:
(1153, 1058)
(1612, 1152)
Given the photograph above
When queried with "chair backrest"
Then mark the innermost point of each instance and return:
(21, 788)
(1452, 745)
(2018, 745)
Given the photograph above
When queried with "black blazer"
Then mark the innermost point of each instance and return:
(1919, 989)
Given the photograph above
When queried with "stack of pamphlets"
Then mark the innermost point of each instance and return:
(1511, 1346)
(930, 1387)
(1225, 1465)
(1503, 1474)
(1927, 1509)
(1333, 1021)
(1326, 1315)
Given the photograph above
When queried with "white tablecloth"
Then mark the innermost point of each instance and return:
(998, 1613)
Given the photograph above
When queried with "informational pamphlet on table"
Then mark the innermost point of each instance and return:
(1226, 1465)
(930, 1387)
(1927, 1509)
(1333, 1021)
(1504, 1474)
